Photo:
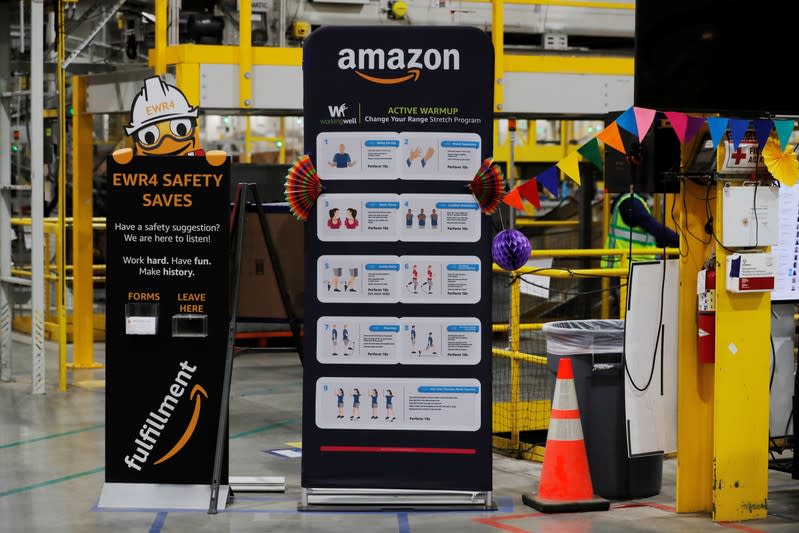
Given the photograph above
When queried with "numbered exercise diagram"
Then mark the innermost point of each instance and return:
(395, 217)
(382, 403)
(358, 279)
(439, 341)
(440, 279)
(389, 156)
(439, 218)
(358, 217)
(358, 340)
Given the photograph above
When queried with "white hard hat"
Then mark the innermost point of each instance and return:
(158, 101)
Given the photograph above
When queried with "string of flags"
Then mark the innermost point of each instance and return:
(780, 159)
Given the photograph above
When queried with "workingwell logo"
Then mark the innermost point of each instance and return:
(337, 111)
(403, 64)
(158, 419)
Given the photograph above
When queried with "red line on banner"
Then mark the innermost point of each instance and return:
(397, 449)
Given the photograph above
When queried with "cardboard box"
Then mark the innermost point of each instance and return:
(259, 297)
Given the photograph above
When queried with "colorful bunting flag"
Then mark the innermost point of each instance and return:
(570, 165)
(738, 127)
(762, 131)
(784, 129)
(718, 127)
(549, 180)
(643, 120)
(626, 121)
(529, 191)
(679, 123)
(513, 199)
(590, 151)
(693, 127)
(612, 137)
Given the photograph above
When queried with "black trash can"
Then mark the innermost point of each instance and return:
(596, 347)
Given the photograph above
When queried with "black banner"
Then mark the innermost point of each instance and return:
(397, 376)
(166, 318)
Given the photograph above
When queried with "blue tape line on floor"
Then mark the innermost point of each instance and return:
(402, 523)
(158, 523)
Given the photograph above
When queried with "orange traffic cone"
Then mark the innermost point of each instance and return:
(565, 485)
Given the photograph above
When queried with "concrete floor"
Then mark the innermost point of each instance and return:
(51, 470)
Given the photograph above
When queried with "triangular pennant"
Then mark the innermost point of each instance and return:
(529, 191)
(626, 121)
(643, 120)
(570, 165)
(693, 127)
(784, 129)
(514, 199)
(738, 127)
(679, 123)
(590, 151)
(718, 127)
(549, 179)
(612, 137)
(762, 131)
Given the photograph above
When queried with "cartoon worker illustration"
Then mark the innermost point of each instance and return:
(162, 122)
(340, 402)
(374, 396)
(341, 159)
(429, 282)
(390, 405)
(351, 222)
(334, 220)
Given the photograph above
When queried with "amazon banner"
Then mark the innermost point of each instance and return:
(397, 380)
(166, 318)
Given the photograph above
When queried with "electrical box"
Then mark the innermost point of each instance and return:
(750, 272)
(750, 216)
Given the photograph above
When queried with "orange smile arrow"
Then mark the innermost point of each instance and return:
(190, 428)
(413, 73)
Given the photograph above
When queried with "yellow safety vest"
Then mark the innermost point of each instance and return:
(619, 236)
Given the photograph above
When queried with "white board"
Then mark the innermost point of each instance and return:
(651, 413)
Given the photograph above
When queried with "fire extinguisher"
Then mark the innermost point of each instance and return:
(706, 312)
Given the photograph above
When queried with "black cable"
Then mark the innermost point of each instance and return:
(680, 231)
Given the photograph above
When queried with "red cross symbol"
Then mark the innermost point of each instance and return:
(738, 155)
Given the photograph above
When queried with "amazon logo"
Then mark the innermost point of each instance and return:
(404, 65)
(158, 419)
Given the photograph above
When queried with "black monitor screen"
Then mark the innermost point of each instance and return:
(716, 57)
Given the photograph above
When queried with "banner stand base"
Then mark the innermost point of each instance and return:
(257, 483)
(326, 499)
(158, 496)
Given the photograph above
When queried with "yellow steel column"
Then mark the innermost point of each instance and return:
(740, 458)
(605, 226)
(161, 19)
(82, 232)
(498, 38)
(624, 264)
(245, 54)
(246, 156)
(281, 155)
(515, 379)
(694, 379)
(187, 77)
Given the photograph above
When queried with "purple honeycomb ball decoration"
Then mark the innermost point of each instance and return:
(510, 249)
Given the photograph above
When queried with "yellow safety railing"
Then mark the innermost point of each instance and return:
(516, 416)
(56, 269)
